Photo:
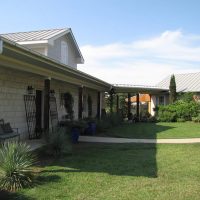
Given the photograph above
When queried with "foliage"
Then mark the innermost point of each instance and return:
(186, 97)
(196, 119)
(69, 103)
(16, 160)
(178, 110)
(89, 101)
(108, 121)
(172, 89)
(59, 141)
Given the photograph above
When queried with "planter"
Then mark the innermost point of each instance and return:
(75, 132)
(91, 128)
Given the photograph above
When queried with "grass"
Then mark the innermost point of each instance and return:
(120, 172)
(156, 130)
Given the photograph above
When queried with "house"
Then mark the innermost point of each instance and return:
(188, 82)
(36, 69)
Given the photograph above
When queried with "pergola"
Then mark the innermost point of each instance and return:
(136, 89)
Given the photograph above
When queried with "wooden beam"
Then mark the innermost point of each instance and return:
(80, 103)
(98, 105)
(129, 104)
(138, 106)
(117, 104)
(46, 103)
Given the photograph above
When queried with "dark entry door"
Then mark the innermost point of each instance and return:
(38, 102)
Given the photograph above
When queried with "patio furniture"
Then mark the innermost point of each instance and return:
(6, 132)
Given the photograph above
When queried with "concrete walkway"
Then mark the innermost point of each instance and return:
(126, 140)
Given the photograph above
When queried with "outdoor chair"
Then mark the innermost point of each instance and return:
(6, 132)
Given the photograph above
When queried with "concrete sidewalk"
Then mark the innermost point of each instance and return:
(126, 140)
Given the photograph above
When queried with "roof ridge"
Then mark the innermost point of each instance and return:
(188, 73)
(36, 31)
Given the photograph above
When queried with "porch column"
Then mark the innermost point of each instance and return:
(46, 103)
(98, 105)
(117, 104)
(111, 103)
(80, 103)
(129, 105)
(138, 106)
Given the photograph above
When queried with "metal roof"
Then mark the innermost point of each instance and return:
(34, 35)
(189, 82)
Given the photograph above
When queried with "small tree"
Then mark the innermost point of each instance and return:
(172, 89)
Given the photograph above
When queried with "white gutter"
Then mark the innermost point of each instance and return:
(1, 46)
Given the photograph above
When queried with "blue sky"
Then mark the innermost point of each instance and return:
(121, 41)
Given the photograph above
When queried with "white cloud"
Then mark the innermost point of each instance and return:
(145, 61)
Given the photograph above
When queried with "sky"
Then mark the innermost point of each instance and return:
(126, 42)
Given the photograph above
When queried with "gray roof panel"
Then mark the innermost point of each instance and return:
(33, 35)
(189, 82)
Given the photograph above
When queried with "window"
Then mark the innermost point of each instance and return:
(161, 100)
(64, 52)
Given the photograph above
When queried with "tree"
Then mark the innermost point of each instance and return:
(172, 89)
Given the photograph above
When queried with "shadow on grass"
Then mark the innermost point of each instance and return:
(9, 196)
(113, 159)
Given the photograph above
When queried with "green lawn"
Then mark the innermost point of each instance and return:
(156, 130)
(120, 172)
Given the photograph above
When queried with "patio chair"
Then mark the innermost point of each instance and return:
(6, 132)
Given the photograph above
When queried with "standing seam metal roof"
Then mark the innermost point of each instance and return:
(189, 82)
(33, 35)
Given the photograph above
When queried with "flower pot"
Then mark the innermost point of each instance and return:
(75, 132)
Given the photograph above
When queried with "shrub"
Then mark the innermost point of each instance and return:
(180, 120)
(178, 110)
(16, 160)
(59, 141)
(108, 121)
(196, 119)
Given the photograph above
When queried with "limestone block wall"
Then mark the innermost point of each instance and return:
(13, 85)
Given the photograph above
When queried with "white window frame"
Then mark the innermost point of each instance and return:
(64, 52)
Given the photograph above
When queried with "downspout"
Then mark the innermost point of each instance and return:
(1, 46)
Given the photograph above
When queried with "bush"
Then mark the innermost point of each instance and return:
(16, 160)
(196, 119)
(59, 142)
(179, 110)
(108, 121)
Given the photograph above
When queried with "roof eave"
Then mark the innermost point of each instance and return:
(54, 64)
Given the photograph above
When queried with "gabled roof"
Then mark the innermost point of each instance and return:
(33, 35)
(43, 36)
(189, 82)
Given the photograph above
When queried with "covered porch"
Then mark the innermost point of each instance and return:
(135, 92)
(32, 87)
